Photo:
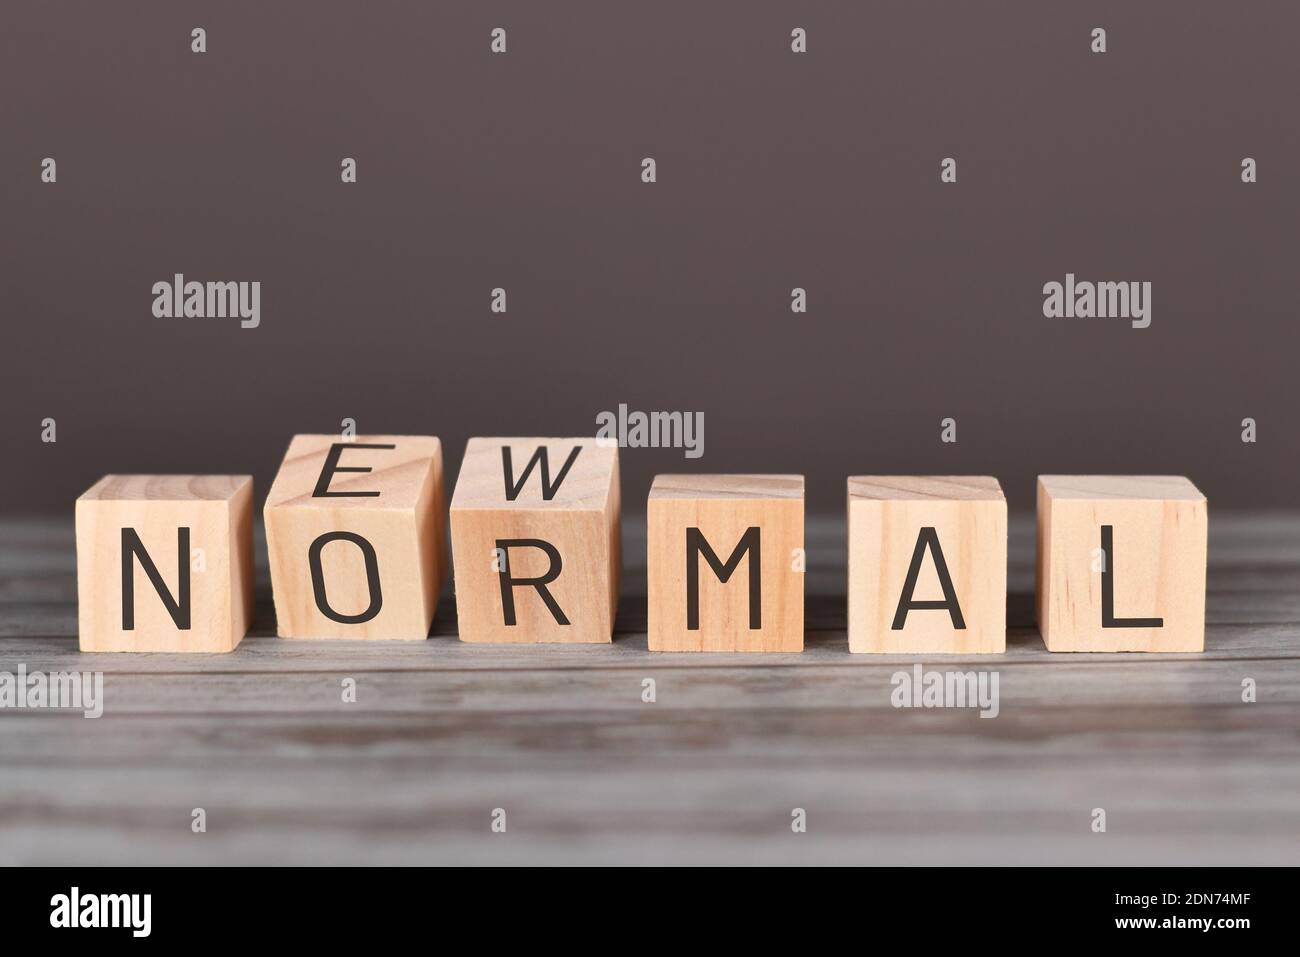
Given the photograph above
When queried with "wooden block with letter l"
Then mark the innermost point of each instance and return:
(165, 563)
(1121, 563)
(536, 541)
(725, 563)
(927, 564)
(356, 537)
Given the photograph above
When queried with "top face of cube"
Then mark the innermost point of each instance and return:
(723, 487)
(370, 471)
(572, 474)
(1137, 488)
(165, 488)
(948, 488)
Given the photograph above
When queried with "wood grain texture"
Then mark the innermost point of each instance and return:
(197, 533)
(1156, 557)
(731, 615)
(888, 516)
(549, 495)
(391, 497)
(442, 732)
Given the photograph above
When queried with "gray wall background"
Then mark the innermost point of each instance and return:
(775, 170)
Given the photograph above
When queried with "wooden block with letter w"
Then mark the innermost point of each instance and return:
(165, 563)
(535, 540)
(725, 563)
(927, 564)
(355, 533)
(1121, 563)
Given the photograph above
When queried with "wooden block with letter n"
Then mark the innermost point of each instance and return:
(535, 540)
(725, 563)
(165, 563)
(1121, 563)
(356, 537)
(927, 564)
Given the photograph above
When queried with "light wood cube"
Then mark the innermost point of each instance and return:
(927, 564)
(165, 563)
(356, 537)
(1121, 563)
(536, 541)
(725, 563)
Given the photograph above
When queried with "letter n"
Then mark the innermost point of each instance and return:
(178, 607)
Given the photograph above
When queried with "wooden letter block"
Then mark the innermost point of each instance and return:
(165, 563)
(356, 537)
(927, 564)
(1121, 563)
(725, 563)
(536, 541)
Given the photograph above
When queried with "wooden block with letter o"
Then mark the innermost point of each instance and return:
(927, 564)
(1121, 563)
(356, 538)
(165, 563)
(725, 563)
(535, 540)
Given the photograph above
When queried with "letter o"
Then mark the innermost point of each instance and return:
(372, 577)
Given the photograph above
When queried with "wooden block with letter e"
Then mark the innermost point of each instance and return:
(1121, 563)
(535, 540)
(927, 564)
(165, 563)
(356, 537)
(725, 563)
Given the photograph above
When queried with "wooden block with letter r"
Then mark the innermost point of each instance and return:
(927, 564)
(1121, 563)
(165, 563)
(725, 563)
(356, 537)
(536, 541)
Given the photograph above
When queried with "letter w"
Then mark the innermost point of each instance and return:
(541, 456)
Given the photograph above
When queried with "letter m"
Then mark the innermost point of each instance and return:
(696, 545)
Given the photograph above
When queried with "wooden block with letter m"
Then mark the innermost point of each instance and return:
(725, 563)
(536, 541)
(356, 536)
(165, 563)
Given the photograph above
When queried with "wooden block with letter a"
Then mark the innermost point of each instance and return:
(535, 540)
(1121, 563)
(927, 564)
(356, 537)
(725, 563)
(165, 563)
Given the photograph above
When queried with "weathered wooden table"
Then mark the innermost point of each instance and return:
(441, 734)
